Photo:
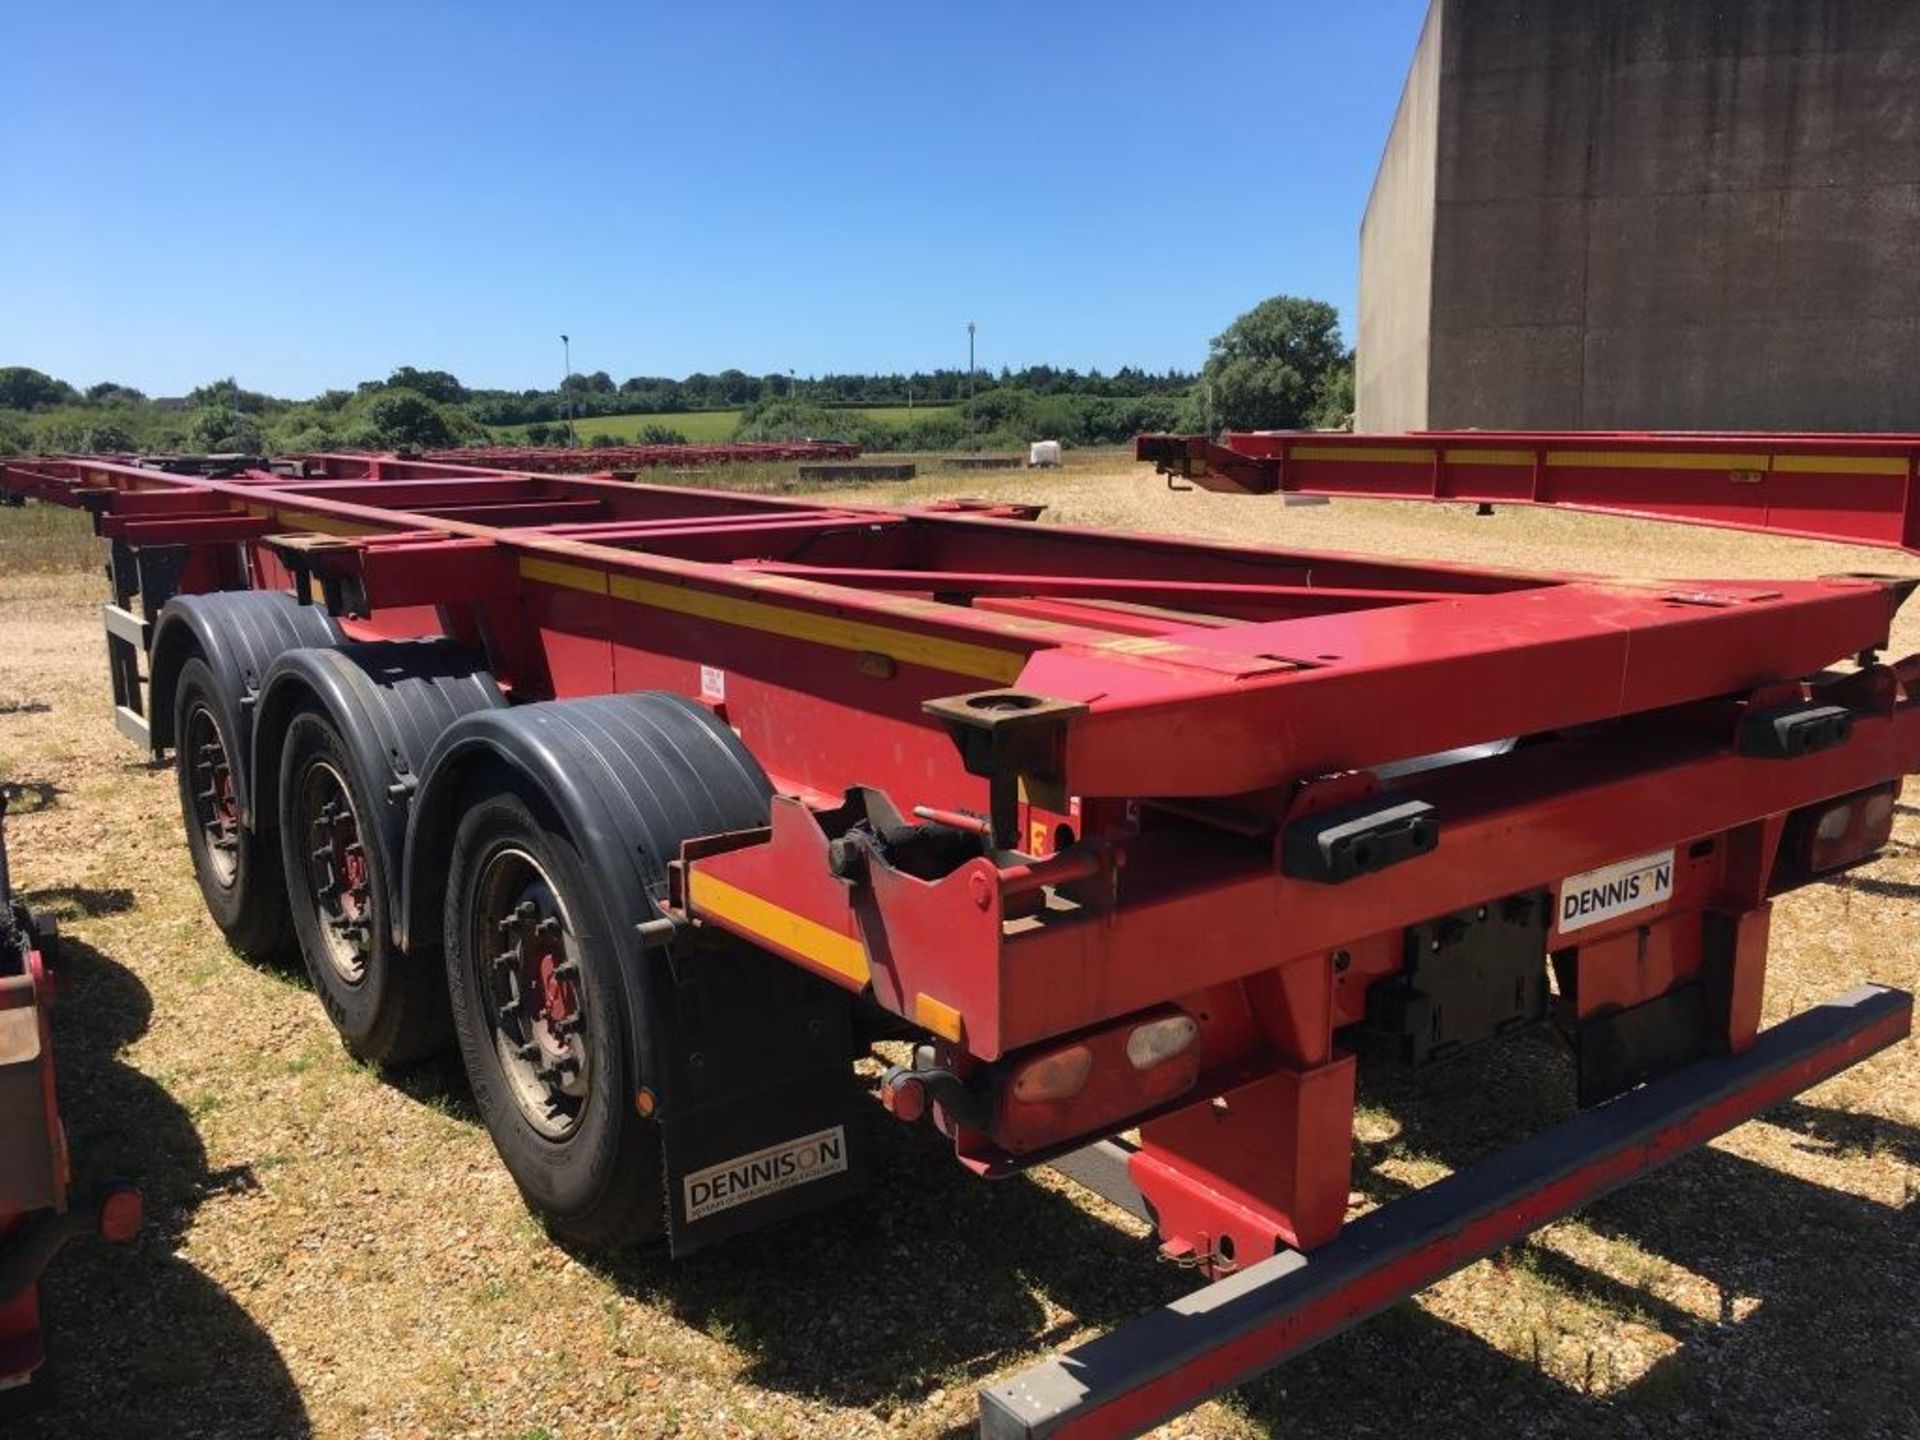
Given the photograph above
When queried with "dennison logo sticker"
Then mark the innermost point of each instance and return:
(1616, 889)
(766, 1172)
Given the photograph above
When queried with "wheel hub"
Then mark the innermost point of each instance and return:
(535, 995)
(216, 807)
(337, 870)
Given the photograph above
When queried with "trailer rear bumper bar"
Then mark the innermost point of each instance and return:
(1172, 1359)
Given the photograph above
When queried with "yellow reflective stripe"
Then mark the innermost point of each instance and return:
(1842, 464)
(1488, 457)
(939, 1017)
(778, 926)
(1614, 459)
(326, 524)
(958, 657)
(1387, 453)
(1654, 460)
(1716, 460)
(570, 577)
(319, 524)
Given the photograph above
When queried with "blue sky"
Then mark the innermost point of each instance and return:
(309, 195)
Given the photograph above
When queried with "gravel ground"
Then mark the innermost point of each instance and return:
(338, 1253)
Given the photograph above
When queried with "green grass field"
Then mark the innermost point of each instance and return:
(901, 415)
(708, 427)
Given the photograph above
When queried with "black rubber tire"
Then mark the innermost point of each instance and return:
(249, 902)
(396, 1010)
(601, 1186)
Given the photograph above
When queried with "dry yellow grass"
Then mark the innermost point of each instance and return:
(338, 1254)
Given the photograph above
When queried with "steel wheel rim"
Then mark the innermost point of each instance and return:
(339, 882)
(216, 809)
(526, 969)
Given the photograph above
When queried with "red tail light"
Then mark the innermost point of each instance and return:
(1095, 1082)
(121, 1214)
(1837, 833)
(1057, 1075)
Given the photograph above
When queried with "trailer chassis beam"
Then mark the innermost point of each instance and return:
(1171, 1359)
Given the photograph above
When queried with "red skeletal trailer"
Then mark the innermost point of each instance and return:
(665, 803)
(603, 458)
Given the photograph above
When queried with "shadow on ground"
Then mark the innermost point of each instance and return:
(137, 1331)
(938, 1279)
(1823, 1280)
(79, 902)
(28, 797)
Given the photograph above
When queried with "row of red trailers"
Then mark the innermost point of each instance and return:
(664, 805)
(606, 459)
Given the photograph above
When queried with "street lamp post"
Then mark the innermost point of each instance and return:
(566, 395)
(970, 328)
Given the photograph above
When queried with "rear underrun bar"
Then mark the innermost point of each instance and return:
(1171, 1359)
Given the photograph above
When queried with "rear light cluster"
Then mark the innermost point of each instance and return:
(1093, 1083)
(1837, 833)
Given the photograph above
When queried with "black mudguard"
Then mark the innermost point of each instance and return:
(239, 633)
(390, 700)
(743, 1052)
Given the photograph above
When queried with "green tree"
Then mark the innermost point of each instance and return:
(227, 395)
(799, 420)
(1333, 405)
(304, 430)
(1267, 370)
(653, 433)
(109, 393)
(22, 388)
(220, 430)
(408, 420)
(437, 385)
(105, 437)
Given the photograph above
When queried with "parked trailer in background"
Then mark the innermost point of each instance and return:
(1864, 489)
(36, 1216)
(601, 458)
(664, 805)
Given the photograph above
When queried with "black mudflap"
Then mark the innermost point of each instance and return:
(1470, 977)
(1618, 1051)
(760, 1110)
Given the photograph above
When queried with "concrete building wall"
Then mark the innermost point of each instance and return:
(1672, 214)
(1396, 250)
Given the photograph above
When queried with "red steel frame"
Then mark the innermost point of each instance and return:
(614, 458)
(32, 1146)
(1187, 700)
(36, 1216)
(1864, 489)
